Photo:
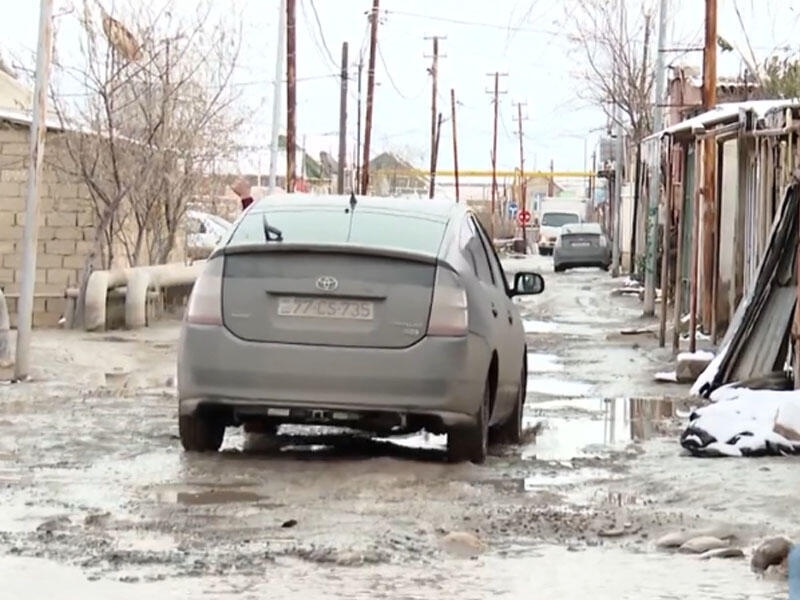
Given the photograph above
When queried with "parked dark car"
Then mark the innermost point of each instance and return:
(581, 245)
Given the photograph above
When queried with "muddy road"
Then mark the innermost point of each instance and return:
(99, 501)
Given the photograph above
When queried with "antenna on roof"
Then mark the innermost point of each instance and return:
(353, 201)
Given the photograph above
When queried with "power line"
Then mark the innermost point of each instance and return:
(513, 28)
(323, 49)
(391, 79)
(321, 32)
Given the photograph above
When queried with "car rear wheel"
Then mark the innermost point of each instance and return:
(510, 431)
(559, 268)
(471, 442)
(200, 432)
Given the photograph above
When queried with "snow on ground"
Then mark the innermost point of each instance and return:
(744, 422)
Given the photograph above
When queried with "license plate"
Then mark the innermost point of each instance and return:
(325, 308)
(582, 244)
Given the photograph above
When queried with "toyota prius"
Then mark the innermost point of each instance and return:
(384, 315)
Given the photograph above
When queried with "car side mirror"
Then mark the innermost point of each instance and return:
(527, 284)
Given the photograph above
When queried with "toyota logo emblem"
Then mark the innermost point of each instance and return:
(327, 284)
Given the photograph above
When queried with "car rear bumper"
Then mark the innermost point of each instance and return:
(582, 257)
(442, 377)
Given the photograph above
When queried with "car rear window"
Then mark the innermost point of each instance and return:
(557, 219)
(333, 226)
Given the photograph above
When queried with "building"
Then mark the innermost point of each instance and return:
(712, 257)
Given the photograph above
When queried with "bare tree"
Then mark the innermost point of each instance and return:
(155, 114)
(619, 70)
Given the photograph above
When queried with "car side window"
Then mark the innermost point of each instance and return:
(478, 256)
(498, 275)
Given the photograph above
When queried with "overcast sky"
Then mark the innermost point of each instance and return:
(479, 40)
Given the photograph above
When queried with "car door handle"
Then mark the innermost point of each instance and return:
(510, 318)
(494, 310)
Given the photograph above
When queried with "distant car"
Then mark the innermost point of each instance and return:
(581, 245)
(204, 232)
(369, 313)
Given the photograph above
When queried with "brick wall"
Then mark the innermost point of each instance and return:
(66, 226)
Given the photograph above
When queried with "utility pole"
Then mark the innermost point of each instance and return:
(551, 183)
(373, 45)
(616, 248)
(496, 102)
(655, 172)
(291, 98)
(277, 84)
(709, 168)
(523, 184)
(358, 126)
(434, 71)
(30, 234)
(342, 123)
(455, 140)
(435, 153)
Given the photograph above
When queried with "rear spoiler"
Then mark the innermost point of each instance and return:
(274, 247)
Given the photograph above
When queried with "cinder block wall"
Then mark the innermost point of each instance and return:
(66, 227)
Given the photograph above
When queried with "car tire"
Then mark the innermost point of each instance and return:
(510, 431)
(471, 442)
(559, 268)
(200, 432)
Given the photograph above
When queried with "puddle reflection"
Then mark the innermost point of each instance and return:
(615, 424)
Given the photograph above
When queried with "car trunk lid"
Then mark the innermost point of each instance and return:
(322, 295)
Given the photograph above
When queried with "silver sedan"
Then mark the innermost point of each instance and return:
(385, 315)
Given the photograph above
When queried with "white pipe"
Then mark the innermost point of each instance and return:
(30, 233)
(277, 95)
(137, 281)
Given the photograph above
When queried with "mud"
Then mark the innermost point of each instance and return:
(99, 501)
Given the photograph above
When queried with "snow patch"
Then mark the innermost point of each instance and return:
(744, 422)
(707, 376)
(700, 355)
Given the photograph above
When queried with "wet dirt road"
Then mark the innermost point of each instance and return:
(99, 501)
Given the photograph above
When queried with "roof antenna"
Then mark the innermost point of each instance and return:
(353, 201)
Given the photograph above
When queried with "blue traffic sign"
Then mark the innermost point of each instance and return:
(512, 208)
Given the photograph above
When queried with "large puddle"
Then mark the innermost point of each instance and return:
(546, 572)
(574, 428)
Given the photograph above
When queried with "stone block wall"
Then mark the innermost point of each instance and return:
(66, 227)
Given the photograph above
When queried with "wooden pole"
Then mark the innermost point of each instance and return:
(342, 123)
(665, 250)
(678, 282)
(494, 151)
(291, 95)
(373, 45)
(435, 155)
(523, 191)
(695, 249)
(358, 126)
(709, 163)
(434, 71)
(455, 140)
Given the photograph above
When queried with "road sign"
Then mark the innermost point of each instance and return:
(524, 217)
(512, 209)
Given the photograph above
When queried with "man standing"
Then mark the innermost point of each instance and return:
(241, 187)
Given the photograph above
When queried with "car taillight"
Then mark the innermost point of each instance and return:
(205, 302)
(449, 315)
(603, 241)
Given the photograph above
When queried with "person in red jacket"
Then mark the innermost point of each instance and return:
(241, 187)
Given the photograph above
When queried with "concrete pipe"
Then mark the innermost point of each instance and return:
(142, 279)
(5, 333)
(94, 303)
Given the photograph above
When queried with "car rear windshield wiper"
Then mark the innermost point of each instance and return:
(271, 234)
